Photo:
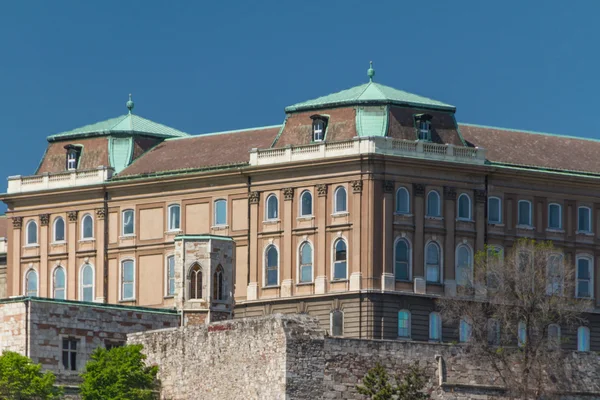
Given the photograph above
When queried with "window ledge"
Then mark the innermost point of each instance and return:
(169, 296)
(196, 301)
(271, 287)
(584, 233)
(305, 283)
(129, 236)
(339, 280)
(434, 283)
(404, 338)
(219, 227)
(526, 227)
(434, 218)
(173, 232)
(271, 221)
(402, 214)
(59, 243)
(464, 220)
(498, 224)
(31, 246)
(555, 230)
(340, 214)
(87, 240)
(305, 218)
(404, 280)
(127, 300)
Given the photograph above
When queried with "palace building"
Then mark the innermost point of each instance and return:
(361, 208)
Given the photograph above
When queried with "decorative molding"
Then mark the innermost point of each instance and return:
(44, 219)
(322, 190)
(419, 189)
(100, 213)
(480, 196)
(288, 194)
(449, 193)
(72, 216)
(254, 197)
(388, 186)
(357, 186)
(17, 222)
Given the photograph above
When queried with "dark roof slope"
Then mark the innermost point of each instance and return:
(202, 151)
(507, 146)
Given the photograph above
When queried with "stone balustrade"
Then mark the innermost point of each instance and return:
(34, 183)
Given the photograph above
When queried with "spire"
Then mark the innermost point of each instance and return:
(129, 104)
(371, 71)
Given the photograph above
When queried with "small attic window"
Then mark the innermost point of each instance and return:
(423, 126)
(73, 153)
(318, 127)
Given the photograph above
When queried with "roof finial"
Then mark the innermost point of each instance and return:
(371, 71)
(130, 104)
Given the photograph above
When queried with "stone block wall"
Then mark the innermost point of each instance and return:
(13, 327)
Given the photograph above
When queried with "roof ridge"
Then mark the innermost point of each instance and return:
(366, 87)
(223, 132)
(530, 132)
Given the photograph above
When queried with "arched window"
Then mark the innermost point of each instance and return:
(435, 327)
(340, 257)
(494, 210)
(584, 219)
(464, 330)
(218, 284)
(87, 227)
(554, 336)
(493, 332)
(58, 283)
(583, 338)
(337, 323)
(271, 266)
(127, 280)
(221, 212)
(522, 333)
(195, 282)
(402, 260)
(174, 217)
(402, 201)
(584, 276)
(306, 262)
(464, 265)
(433, 204)
(272, 207)
(31, 283)
(305, 203)
(404, 324)
(87, 283)
(464, 207)
(524, 217)
(59, 229)
(128, 222)
(554, 216)
(170, 275)
(432, 262)
(32, 232)
(340, 205)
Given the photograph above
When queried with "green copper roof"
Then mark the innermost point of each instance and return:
(370, 93)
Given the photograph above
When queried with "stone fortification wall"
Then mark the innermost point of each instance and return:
(13, 327)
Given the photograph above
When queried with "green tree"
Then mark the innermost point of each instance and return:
(119, 374)
(378, 384)
(21, 379)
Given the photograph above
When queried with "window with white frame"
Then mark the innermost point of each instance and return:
(340, 258)
(58, 283)
(435, 327)
(524, 217)
(69, 353)
(218, 288)
(340, 200)
(433, 204)
(87, 227)
(464, 207)
(583, 338)
(72, 160)
(337, 323)
(554, 336)
(424, 130)
(402, 201)
(306, 204)
(195, 277)
(402, 260)
(59, 229)
(404, 324)
(464, 265)
(272, 207)
(220, 212)
(86, 283)
(31, 283)
(494, 210)
(128, 222)
(318, 128)
(554, 216)
(584, 219)
(306, 263)
(32, 233)
(554, 278)
(521, 333)
(493, 332)
(174, 220)
(127, 280)
(432, 262)
(170, 276)
(584, 276)
(271, 266)
(465, 329)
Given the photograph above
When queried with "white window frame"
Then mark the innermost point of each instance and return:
(123, 221)
(218, 201)
(53, 280)
(456, 268)
(269, 197)
(316, 131)
(439, 206)
(440, 261)
(71, 158)
(410, 260)
(331, 322)
(424, 130)
(312, 205)
(64, 239)
(409, 324)
(588, 339)
(470, 211)
(265, 285)
(404, 190)
(26, 282)
(589, 218)
(529, 224)
(299, 262)
(122, 261)
(167, 294)
(437, 316)
(37, 234)
(169, 219)
(81, 285)
(499, 210)
(82, 236)
(333, 261)
(590, 260)
(336, 209)
(559, 216)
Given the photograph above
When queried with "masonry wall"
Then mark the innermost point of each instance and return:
(13, 327)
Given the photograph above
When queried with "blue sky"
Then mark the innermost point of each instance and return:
(204, 66)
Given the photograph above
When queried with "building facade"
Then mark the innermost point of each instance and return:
(360, 209)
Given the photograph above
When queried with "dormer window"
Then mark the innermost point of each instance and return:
(73, 153)
(423, 126)
(318, 128)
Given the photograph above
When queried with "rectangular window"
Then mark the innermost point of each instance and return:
(584, 220)
(554, 216)
(171, 276)
(494, 212)
(524, 213)
(584, 278)
(221, 212)
(306, 273)
(404, 324)
(174, 214)
(424, 130)
(69, 353)
(127, 280)
(128, 222)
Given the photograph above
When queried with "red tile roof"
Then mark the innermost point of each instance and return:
(202, 151)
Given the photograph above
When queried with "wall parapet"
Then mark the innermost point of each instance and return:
(60, 180)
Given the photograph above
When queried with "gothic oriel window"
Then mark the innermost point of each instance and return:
(196, 282)
(218, 284)
(318, 127)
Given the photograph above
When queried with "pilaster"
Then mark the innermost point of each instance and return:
(418, 251)
(480, 222)
(321, 240)
(388, 283)
(450, 240)
(356, 262)
(252, 291)
(43, 241)
(101, 274)
(16, 272)
(287, 252)
(72, 272)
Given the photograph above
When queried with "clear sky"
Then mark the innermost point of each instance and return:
(205, 66)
